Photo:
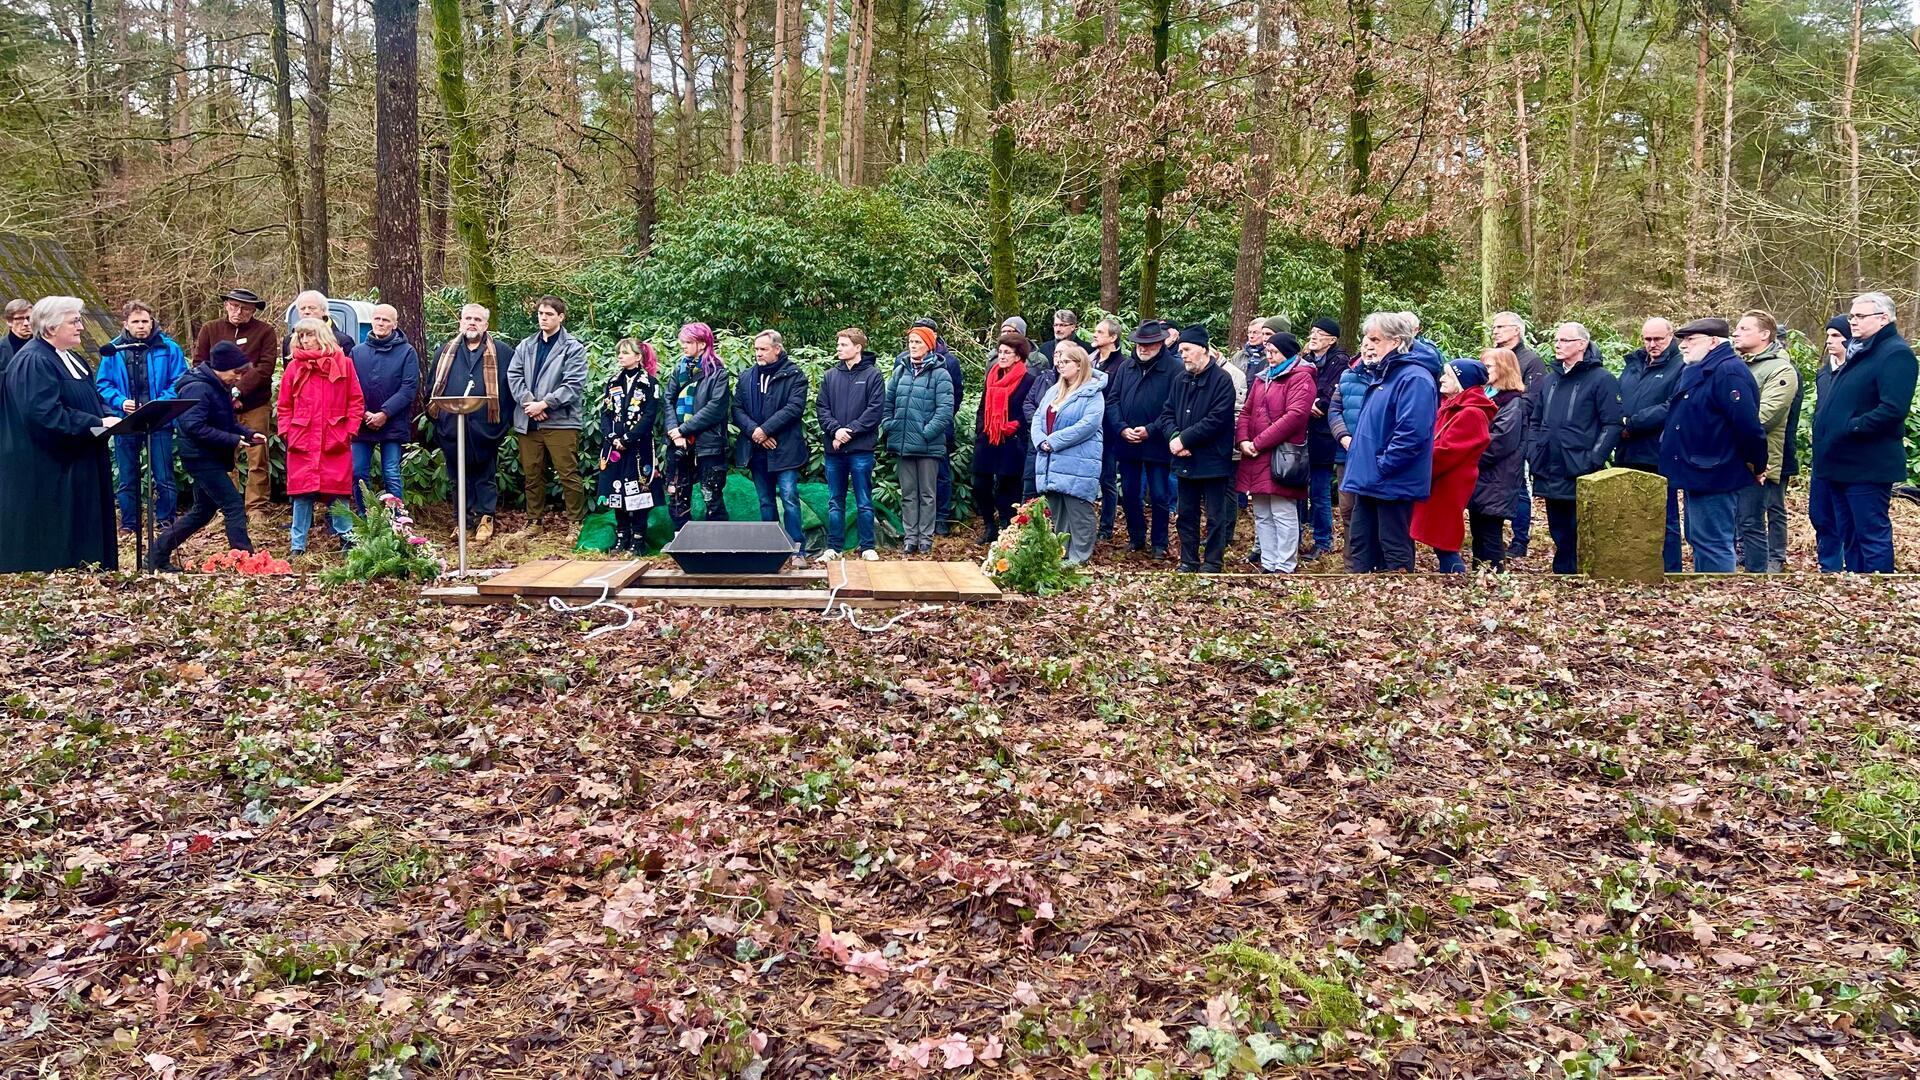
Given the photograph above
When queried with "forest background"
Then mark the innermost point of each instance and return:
(813, 164)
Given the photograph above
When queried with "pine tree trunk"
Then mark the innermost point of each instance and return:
(1251, 261)
(1696, 176)
(298, 263)
(1722, 247)
(1852, 135)
(1526, 183)
(1109, 195)
(470, 219)
(826, 88)
(864, 85)
(1156, 170)
(1359, 162)
(737, 65)
(396, 146)
(687, 131)
(1006, 297)
(437, 198)
(643, 172)
(182, 82)
(319, 52)
(796, 82)
(777, 104)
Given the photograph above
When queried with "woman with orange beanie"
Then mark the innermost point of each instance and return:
(919, 414)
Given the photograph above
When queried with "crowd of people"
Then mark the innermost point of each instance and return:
(1151, 429)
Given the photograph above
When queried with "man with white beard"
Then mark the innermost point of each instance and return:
(474, 364)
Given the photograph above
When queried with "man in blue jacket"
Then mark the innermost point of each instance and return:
(389, 374)
(768, 407)
(140, 366)
(1713, 446)
(1197, 428)
(1390, 452)
(1136, 395)
(1859, 423)
(1647, 380)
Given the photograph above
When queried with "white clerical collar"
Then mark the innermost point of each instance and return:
(74, 367)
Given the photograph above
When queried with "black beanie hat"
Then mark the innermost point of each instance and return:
(1288, 345)
(1840, 323)
(1328, 325)
(1194, 335)
(226, 356)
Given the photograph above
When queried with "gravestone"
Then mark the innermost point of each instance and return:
(1622, 520)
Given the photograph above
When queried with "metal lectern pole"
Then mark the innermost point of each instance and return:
(460, 488)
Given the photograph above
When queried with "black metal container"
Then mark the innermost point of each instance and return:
(731, 547)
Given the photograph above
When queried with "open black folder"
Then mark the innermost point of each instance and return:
(146, 419)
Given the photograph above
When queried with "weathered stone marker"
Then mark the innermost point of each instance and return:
(1622, 518)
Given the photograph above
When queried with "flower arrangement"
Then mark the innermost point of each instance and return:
(249, 563)
(1029, 557)
(385, 546)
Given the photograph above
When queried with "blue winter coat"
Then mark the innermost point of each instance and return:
(165, 363)
(773, 398)
(1349, 396)
(1067, 459)
(1713, 442)
(208, 431)
(1392, 452)
(1646, 388)
(1136, 396)
(919, 414)
(1859, 424)
(389, 373)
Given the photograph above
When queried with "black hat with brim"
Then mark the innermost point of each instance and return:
(1151, 332)
(244, 296)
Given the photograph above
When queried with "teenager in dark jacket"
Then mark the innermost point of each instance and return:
(1826, 528)
(473, 364)
(629, 411)
(768, 407)
(1502, 462)
(850, 406)
(1647, 379)
(1323, 451)
(1858, 433)
(1000, 436)
(1713, 447)
(209, 435)
(1137, 392)
(1390, 450)
(19, 316)
(1573, 434)
(389, 374)
(1197, 428)
(699, 396)
(141, 365)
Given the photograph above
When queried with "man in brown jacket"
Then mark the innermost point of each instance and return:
(253, 405)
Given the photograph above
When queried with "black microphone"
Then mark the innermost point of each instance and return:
(115, 349)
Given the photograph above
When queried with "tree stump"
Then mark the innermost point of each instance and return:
(1622, 520)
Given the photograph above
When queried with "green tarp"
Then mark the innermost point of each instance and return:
(743, 504)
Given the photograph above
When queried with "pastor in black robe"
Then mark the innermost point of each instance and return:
(56, 476)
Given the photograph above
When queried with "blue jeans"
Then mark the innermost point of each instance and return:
(841, 467)
(1320, 502)
(787, 482)
(1450, 562)
(1826, 526)
(390, 455)
(1866, 532)
(1523, 509)
(1146, 485)
(303, 518)
(1710, 524)
(1757, 555)
(126, 468)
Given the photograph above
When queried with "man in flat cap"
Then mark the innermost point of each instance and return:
(1713, 446)
(257, 341)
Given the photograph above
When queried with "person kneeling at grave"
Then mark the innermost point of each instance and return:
(209, 436)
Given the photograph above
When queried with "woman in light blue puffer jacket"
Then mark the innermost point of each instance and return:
(1067, 447)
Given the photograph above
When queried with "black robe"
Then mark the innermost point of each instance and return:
(56, 477)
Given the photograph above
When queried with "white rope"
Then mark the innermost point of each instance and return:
(846, 610)
(605, 581)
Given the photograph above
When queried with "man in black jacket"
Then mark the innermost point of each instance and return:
(19, 315)
(474, 364)
(850, 406)
(1859, 428)
(1136, 396)
(209, 435)
(1646, 387)
(768, 408)
(1197, 425)
(1573, 434)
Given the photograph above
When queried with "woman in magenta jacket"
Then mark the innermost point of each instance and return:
(1279, 404)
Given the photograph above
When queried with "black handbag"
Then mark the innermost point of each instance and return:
(1289, 466)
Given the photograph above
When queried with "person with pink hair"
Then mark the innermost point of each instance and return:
(699, 402)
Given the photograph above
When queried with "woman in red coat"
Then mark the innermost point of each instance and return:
(1279, 403)
(320, 408)
(1460, 434)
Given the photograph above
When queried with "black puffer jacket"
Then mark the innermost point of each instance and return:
(1646, 387)
(1576, 428)
(208, 430)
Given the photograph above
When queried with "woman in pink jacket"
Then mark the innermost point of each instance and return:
(320, 408)
(1279, 402)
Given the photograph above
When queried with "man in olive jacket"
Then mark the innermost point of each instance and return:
(548, 379)
(1763, 505)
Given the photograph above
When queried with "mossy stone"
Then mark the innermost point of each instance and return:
(1622, 519)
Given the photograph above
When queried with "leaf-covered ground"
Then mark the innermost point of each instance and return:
(1398, 827)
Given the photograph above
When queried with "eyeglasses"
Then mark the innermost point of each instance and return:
(1651, 338)
(1855, 316)
(1569, 341)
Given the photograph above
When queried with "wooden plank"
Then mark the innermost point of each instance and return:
(520, 576)
(852, 577)
(930, 582)
(800, 599)
(969, 583)
(891, 581)
(673, 577)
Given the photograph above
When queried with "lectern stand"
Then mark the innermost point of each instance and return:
(461, 408)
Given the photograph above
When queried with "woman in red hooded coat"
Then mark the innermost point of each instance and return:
(1461, 431)
(320, 408)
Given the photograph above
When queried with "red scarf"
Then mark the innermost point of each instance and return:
(1001, 383)
(328, 363)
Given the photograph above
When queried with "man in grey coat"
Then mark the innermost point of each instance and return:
(548, 379)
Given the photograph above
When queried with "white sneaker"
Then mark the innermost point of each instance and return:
(829, 555)
(870, 555)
